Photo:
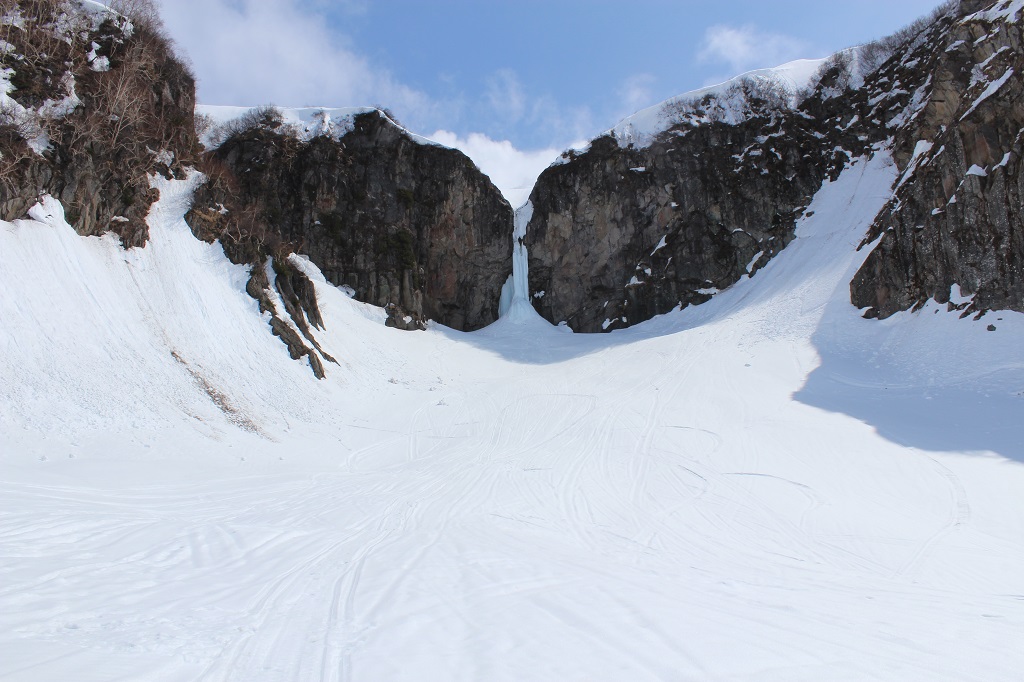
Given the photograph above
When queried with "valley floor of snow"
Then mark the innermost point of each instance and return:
(765, 487)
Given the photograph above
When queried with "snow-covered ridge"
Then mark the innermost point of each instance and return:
(728, 101)
(305, 123)
(100, 12)
(641, 128)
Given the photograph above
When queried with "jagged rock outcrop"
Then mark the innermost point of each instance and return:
(296, 293)
(956, 222)
(631, 228)
(398, 220)
(97, 102)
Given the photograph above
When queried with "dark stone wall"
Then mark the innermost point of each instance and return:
(718, 195)
(416, 225)
(958, 218)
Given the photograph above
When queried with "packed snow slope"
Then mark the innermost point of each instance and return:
(765, 487)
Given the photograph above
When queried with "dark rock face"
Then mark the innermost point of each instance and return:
(404, 223)
(105, 103)
(958, 216)
(621, 233)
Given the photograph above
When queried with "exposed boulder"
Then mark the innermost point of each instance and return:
(399, 318)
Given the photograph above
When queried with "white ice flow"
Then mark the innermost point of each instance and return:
(764, 487)
(514, 304)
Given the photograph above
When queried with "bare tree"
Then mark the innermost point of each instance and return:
(142, 13)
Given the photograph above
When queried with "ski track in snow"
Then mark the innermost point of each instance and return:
(516, 504)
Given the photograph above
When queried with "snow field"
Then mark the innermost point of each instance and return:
(712, 495)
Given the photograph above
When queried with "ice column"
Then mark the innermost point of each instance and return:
(515, 294)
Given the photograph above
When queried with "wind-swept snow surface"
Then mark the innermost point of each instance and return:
(705, 496)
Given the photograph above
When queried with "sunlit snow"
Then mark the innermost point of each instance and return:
(763, 487)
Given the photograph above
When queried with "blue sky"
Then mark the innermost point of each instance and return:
(513, 80)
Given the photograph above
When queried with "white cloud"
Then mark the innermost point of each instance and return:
(248, 52)
(507, 106)
(290, 53)
(743, 48)
(635, 93)
(505, 96)
(513, 171)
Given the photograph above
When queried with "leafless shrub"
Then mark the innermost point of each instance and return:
(765, 93)
(265, 117)
(138, 102)
(38, 48)
(838, 70)
(22, 122)
(13, 154)
(118, 115)
(388, 114)
(204, 124)
(915, 29)
(143, 14)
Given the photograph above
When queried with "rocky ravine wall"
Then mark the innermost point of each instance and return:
(621, 233)
(958, 216)
(401, 222)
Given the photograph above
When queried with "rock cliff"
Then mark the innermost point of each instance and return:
(639, 224)
(622, 233)
(400, 221)
(954, 231)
